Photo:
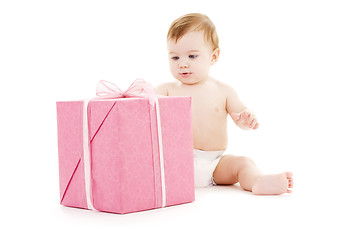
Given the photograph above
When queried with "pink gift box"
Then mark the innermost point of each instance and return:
(125, 160)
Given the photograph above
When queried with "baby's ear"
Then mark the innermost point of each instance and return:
(215, 56)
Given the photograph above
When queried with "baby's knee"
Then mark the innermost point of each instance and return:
(245, 162)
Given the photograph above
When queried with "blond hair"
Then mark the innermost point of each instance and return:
(194, 22)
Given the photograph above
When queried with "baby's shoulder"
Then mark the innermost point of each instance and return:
(224, 87)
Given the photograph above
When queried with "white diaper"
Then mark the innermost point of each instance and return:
(205, 163)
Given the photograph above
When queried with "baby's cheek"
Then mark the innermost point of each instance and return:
(173, 65)
(202, 69)
(172, 69)
(174, 72)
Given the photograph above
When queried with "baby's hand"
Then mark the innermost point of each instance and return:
(245, 120)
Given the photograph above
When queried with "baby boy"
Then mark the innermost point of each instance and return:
(193, 48)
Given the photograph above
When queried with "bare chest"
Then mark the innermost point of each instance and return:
(206, 103)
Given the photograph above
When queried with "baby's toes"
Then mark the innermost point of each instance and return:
(289, 175)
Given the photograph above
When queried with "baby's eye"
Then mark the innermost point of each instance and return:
(193, 56)
(175, 58)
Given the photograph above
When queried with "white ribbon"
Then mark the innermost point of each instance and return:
(87, 158)
(161, 153)
(107, 90)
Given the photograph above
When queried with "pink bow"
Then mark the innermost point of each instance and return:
(139, 88)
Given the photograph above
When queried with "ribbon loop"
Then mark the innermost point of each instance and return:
(139, 88)
(107, 89)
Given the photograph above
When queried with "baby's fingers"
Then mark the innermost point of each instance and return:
(253, 124)
(245, 115)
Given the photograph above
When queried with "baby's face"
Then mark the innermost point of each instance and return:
(190, 57)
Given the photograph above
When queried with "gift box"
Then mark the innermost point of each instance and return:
(125, 152)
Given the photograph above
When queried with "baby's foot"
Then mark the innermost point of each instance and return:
(273, 184)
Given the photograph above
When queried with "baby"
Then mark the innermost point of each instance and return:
(193, 48)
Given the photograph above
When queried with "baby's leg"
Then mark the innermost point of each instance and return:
(233, 169)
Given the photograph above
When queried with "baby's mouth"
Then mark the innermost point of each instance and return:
(185, 74)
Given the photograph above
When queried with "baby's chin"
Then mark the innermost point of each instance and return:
(188, 81)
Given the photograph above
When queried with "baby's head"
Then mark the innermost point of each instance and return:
(193, 46)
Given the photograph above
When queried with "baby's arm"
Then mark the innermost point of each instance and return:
(241, 115)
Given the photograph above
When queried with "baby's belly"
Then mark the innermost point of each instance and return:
(210, 138)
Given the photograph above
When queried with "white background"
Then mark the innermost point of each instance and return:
(281, 56)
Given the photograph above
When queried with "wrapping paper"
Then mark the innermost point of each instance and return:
(125, 161)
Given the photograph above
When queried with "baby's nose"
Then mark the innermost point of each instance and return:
(183, 65)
